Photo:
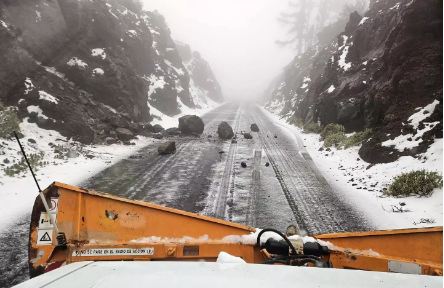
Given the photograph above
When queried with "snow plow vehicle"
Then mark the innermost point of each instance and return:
(84, 238)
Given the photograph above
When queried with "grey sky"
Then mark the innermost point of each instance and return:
(237, 37)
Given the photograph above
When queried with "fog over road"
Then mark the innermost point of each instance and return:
(205, 176)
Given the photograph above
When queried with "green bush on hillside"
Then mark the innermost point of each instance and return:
(357, 138)
(36, 161)
(335, 139)
(9, 122)
(331, 129)
(334, 135)
(415, 183)
(312, 128)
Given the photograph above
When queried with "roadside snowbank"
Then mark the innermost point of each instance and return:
(362, 184)
(17, 193)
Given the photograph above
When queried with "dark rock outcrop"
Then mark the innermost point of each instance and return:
(86, 68)
(224, 131)
(191, 125)
(374, 75)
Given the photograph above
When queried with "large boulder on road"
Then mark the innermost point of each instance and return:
(124, 134)
(191, 125)
(167, 148)
(225, 131)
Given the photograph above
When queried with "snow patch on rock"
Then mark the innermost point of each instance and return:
(132, 33)
(305, 82)
(342, 58)
(98, 52)
(395, 7)
(342, 62)
(29, 86)
(48, 97)
(363, 20)
(422, 114)
(38, 16)
(37, 110)
(98, 71)
(409, 141)
(74, 61)
(156, 82)
(179, 71)
(4, 25)
(110, 108)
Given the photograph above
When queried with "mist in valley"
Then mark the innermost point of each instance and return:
(249, 42)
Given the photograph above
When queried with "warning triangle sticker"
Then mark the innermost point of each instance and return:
(45, 237)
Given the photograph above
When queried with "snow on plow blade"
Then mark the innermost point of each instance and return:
(93, 226)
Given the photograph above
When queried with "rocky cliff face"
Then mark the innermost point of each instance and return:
(378, 74)
(203, 83)
(86, 68)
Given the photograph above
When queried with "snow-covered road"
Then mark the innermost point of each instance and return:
(205, 176)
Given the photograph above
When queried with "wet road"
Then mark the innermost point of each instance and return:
(205, 176)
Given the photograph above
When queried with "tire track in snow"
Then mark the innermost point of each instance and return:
(291, 201)
(227, 183)
(318, 209)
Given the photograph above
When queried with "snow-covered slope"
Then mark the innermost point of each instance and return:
(97, 65)
(85, 77)
(382, 68)
(59, 159)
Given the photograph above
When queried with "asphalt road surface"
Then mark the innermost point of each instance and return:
(205, 176)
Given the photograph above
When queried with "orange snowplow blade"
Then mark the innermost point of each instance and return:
(389, 250)
(97, 226)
